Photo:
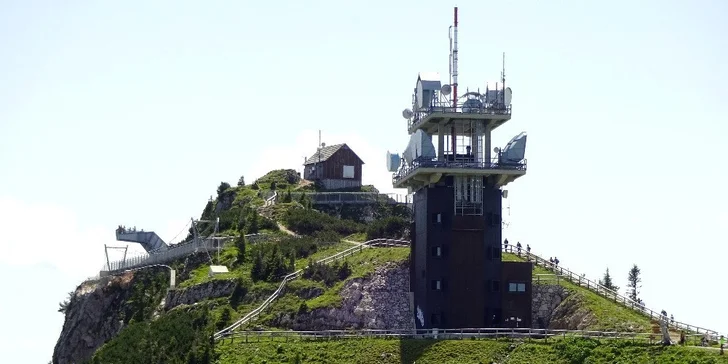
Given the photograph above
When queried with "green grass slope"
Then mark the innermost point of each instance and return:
(372, 351)
(608, 315)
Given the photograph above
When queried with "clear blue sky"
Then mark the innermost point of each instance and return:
(132, 113)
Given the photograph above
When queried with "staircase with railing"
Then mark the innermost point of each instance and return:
(281, 287)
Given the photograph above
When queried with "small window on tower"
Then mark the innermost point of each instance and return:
(436, 285)
(521, 287)
(436, 218)
(437, 251)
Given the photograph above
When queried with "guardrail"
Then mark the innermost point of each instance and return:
(353, 197)
(442, 334)
(174, 252)
(494, 163)
(461, 108)
(272, 199)
(281, 287)
(599, 289)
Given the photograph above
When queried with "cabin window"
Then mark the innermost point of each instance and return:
(348, 171)
(436, 285)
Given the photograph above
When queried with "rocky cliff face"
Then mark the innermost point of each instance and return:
(545, 299)
(197, 293)
(379, 301)
(96, 313)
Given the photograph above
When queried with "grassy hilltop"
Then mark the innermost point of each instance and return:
(182, 334)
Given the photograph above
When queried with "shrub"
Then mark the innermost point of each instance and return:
(393, 227)
(241, 289)
(270, 263)
(308, 222)
(328, 274)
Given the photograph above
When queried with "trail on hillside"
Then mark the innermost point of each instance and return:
(285, 229)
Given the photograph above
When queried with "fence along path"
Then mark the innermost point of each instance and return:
(558, 270)
(483, 333)
(281, 287)
(606, 292)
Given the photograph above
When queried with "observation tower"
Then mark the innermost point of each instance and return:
(457, 277)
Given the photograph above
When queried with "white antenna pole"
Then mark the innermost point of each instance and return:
(503, 73)
(449, 58)
(454, 79)
(455, 60)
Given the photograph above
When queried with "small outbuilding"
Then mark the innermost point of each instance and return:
(335, 167)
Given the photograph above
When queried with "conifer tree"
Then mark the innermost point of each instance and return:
(607, 281)
(633, 282)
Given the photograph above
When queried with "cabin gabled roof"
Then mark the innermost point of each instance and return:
(326, 152)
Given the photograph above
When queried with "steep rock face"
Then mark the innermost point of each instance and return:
(545, 299)
(572, 314)
(94, 316)
(379, 301)
(199, 292)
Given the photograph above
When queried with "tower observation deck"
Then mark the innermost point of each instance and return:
(457, 277)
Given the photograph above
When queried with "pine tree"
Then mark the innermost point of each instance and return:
(257, 270)
(222, 188)
(241, 181)
(607, 281)
(240, 243)
(633, 282)
(287, 198)
(252, 225)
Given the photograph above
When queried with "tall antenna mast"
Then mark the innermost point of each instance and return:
(503, 73)
(455, 60)
(453, 138)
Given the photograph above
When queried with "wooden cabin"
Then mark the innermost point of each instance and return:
(335, 166)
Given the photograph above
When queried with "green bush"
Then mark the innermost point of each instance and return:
(181, 336)
(328, 274)
(308, 222)
(269, 262)
(299, 247)
(392, 227)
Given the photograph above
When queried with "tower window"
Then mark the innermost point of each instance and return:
(516, 287)
(437, 218)
(437, 251)
(437, 285)
(468, 195)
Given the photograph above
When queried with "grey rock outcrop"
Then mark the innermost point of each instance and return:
(379, 301)
(545, 299)
(200, 292)
(93, 316)
(572, 314)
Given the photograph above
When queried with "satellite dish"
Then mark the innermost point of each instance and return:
(407, 113)
(496, 150)
(420, 146)
(515, 150)
(393, 161)
(508, 96)
(504, 193)
(323, 145)
(446, 90)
